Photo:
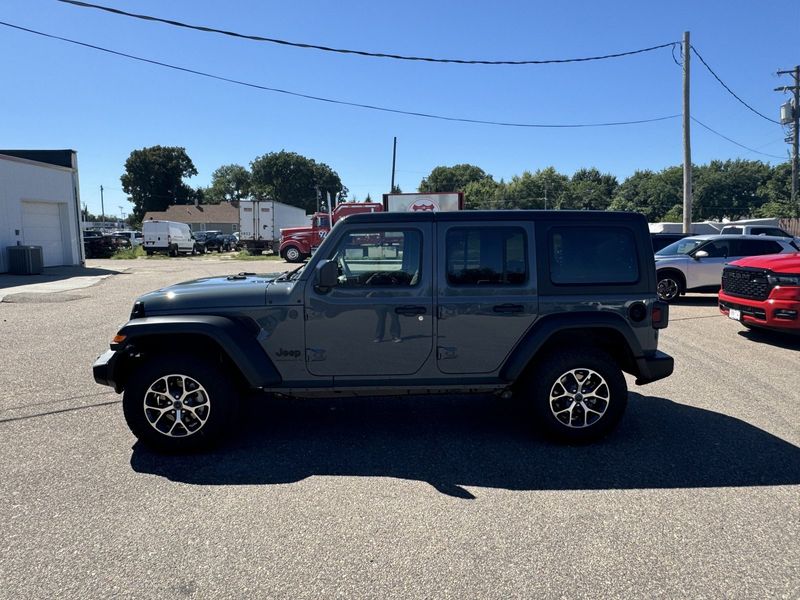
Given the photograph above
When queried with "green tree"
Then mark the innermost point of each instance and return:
(396, 189)
(294, 179)
(228, 183)
(589, 189)
(485, 194)
(652, 194)
(451, 179)
(153, 178)
(543, 188)
(729, 189)
(777, 194)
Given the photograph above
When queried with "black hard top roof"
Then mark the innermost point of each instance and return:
(478, 216)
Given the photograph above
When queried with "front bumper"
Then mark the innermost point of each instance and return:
(772, 313)
(654, 367)
(103, 369)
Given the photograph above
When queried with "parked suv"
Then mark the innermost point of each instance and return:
(694, 264)
(551, 307)
(763, 291)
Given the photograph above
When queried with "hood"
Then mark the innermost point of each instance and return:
(778, 263)
(287, 231)
(245, 289)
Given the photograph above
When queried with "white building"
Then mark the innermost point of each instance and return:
(40, 205)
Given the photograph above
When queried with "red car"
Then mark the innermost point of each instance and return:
(763, 291)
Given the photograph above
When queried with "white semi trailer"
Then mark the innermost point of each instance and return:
(261, 221)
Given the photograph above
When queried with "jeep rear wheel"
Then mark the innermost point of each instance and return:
(577, 395)
(179, 403)
(669, 286)
(292, 254)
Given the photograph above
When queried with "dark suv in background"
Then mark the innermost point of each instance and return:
(550, 307)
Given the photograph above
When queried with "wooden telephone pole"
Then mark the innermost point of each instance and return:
(795, 120)
(687, 143)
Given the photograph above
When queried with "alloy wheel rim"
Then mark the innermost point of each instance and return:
(579, 398)
(667, 289)
(176, 405)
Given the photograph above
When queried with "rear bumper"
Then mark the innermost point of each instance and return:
(103, 369)
(771, 313)
(655, 367)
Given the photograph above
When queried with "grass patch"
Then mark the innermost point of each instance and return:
(128, 253)
(245, 255)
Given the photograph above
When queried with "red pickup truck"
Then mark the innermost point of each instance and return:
(763, 291)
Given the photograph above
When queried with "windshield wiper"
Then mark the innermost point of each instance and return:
(286, 275)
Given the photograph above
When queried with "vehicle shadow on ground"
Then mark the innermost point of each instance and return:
(54, 274)
(772, 338)
(708, 300)
(451, 442)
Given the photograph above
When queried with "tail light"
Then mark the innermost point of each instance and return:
(660, 314)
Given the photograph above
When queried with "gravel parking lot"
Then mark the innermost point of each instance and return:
(696, 495)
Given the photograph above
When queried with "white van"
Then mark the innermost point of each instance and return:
(168, 236)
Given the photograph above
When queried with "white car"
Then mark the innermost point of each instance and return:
(694, 264)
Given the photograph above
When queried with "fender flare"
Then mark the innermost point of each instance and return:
(546, 327)
(239, 344)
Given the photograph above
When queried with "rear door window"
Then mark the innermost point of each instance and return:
(755, 247)
(492, 256)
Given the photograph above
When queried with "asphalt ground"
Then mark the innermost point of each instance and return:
(696, 495)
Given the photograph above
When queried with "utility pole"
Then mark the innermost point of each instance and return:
(795, 120)
(102, 208)
(394, 158)
(687, 143)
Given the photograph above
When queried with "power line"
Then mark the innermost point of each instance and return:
(730, 91)
(258, 38)
(334, 101)
(734, 141)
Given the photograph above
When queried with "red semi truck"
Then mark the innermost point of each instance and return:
(297, 243)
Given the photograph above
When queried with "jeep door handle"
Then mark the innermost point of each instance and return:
(508, 308)
(410, 311)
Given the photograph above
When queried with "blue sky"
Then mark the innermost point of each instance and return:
(56, 95)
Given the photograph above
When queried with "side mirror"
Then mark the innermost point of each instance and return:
(700, 254)
(327, 274)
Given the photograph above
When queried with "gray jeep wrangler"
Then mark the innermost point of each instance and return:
(551, 307)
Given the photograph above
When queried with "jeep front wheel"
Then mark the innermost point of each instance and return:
(577, 395)
(179, 403)
(292, 254)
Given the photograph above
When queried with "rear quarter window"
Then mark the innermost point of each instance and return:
(592, 255)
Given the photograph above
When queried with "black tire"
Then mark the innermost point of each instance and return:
(218, 393)
(560, 372)
(669, 286)
(148, 252)
(292, 254)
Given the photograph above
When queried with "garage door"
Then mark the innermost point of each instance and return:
(41, 226)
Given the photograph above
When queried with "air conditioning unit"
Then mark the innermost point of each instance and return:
(25, 260)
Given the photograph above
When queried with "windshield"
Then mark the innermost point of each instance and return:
(684, 246)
